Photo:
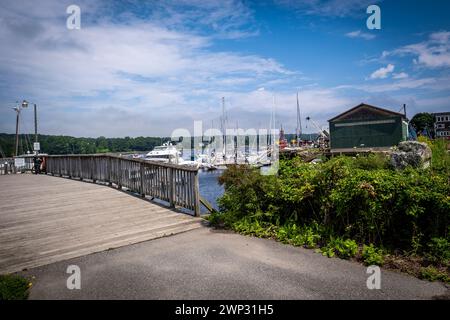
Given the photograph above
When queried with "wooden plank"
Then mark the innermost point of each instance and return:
(44, 219)
(97, 248)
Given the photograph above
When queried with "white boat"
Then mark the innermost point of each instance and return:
(167, 153)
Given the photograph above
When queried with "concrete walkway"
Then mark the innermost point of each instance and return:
(206, 264)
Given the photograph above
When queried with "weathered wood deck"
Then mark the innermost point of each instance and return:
(44, 219)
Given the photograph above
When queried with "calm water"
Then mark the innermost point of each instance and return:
(209, 187)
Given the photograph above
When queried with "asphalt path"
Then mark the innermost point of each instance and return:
(209, 264)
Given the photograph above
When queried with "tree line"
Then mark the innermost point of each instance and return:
(72, 145)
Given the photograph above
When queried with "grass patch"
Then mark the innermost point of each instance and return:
(14, 287)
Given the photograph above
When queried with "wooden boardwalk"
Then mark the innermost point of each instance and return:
(44, 219)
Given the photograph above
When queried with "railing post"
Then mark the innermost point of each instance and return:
(109, 170)
(119, 174)
(196, 195)
(69, 169)
(172, 187)
(142, 172)
(93, 170)
(81, 168)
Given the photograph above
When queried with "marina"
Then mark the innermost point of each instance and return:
(230, 150)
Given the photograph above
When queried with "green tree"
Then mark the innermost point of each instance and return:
(423, 121)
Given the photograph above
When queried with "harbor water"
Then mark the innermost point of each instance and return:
(208, 183)
(209, 187)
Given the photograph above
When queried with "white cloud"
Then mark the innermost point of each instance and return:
(360, 34)
(116, 79)
(401, 75)
(432, 53)
(130, 76)
(383, 72)
(402, 84)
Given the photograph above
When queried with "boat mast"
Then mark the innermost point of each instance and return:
(271, 140)
(223, 124)
(298, 130)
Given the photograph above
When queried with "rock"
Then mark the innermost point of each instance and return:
(411, 153)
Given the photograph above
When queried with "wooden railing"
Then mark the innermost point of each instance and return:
(175, 184)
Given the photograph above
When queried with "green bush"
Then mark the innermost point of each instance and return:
(372, 255)
(439, 251)
(13, 287)
(372, 162)
(307, 236)
(381, 206)
(440, 160)
(255, 228)
(431, 273)
(345, 249)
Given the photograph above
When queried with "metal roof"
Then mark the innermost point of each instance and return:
(370, 106)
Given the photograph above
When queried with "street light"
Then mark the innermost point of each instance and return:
(18, 108)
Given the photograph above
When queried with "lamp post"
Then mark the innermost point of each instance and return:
(36, 146)
(18, 108)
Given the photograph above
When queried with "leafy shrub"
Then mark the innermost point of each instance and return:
(440, 160)
(439, 251)
(307, 236)
(431, 273)
(287, 232)
(372, 255)
(255, 228)
(345, 249)
(215, 218)
(310, 236)
(13, 287)
(372, 162)
(381, 206)
(343, 198)
(327, 251)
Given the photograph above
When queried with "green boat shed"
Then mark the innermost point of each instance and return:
(367, 127)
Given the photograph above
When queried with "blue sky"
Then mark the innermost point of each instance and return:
(150, 67)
